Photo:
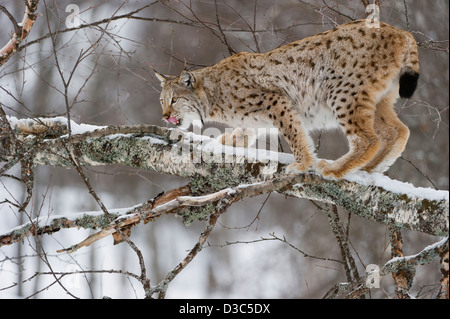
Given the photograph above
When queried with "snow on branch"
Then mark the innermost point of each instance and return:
(212, 167)
(425, 256)
(405, 263)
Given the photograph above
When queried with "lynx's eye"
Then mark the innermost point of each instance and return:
(173, 100)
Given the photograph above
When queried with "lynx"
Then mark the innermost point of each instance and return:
(348, 78)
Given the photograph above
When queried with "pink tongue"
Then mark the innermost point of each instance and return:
(172, 120)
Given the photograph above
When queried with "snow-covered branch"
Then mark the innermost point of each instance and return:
(410, 263)
(211, 167)
(425, 256)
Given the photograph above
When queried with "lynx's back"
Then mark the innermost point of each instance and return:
(349, 60)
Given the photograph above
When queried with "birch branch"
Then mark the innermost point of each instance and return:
(166, 203)
(145, 212)
(211, 166)
(425, 256)
(21, 30)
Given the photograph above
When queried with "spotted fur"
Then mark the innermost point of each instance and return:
(347, 78)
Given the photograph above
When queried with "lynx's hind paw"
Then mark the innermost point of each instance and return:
(328, 170)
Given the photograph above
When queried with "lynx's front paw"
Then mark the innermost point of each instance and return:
(226, 139)
(297, 168)
(239, 138)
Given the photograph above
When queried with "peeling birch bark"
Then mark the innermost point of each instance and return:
(25, 26)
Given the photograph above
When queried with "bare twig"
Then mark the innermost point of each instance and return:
(435, 45)
(351, 270)
(12, 19)
(273, 237)
(161, 288)
(406, 15)
(223, 37)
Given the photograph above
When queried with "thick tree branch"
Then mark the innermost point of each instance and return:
(211, 167)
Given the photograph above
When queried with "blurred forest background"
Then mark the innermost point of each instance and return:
(115, 85)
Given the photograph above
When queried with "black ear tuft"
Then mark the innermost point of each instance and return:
(187, 79)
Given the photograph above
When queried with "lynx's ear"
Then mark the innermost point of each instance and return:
(161, 78)
(187, 79)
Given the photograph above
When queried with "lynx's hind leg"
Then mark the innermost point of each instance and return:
(357, 121)
(392, 133)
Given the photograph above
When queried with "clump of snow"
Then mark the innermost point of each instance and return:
(75, 127)
(378, 179)
(12, 120)
(82, 128)
(212, 145)
(154, 140)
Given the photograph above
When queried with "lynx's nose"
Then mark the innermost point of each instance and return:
(166, 116)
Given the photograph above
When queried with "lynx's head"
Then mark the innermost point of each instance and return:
(181, 100)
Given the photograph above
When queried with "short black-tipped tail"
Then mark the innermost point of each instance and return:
(408, 83)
